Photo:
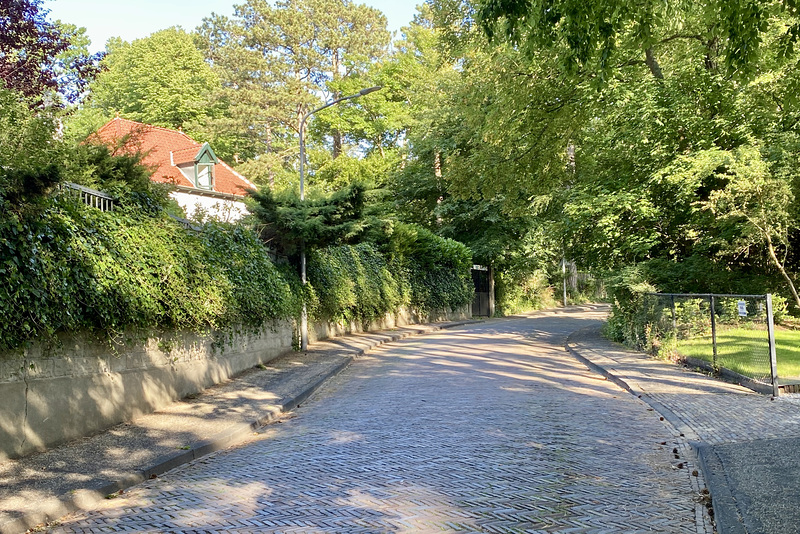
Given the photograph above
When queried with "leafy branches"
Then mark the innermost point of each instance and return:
(36, 55)
(74, 267)
(328, 220)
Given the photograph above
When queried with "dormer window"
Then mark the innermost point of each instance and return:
(204, 163)
(204, 174)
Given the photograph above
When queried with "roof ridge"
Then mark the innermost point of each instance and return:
(156, 127)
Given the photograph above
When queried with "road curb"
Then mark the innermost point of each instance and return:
(726, 512)
(86, 498)
(726, 515)
(683, 429)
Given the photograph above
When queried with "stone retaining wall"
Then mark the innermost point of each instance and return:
(79, 386)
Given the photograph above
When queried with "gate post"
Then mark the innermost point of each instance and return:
(714, 334)
(491, 291)
(674, 318)
(773, 357)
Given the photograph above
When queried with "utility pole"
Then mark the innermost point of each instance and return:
(304, 312)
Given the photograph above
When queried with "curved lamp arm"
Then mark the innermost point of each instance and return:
(303, 128)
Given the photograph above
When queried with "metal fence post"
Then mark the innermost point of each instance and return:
(674, 317)
(773, 357)
(714, 334)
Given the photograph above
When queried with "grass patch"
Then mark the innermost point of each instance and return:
(746, 351)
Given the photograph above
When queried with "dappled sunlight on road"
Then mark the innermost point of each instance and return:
(491, 427)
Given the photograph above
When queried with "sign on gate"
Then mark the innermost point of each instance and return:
(742, 305)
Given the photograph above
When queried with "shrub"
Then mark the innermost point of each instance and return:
(355, 283)
(630, 317)
(438, 268)
(516, 292)
(73, 267)
(417, 268)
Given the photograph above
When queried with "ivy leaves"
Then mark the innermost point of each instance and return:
(73, 267)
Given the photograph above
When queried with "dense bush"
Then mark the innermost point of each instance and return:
(73, 267)
(438, 268)
(355, 283)
(630, 318)
(522, 291)
(416, 268)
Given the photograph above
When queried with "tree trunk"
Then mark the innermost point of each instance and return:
(337, 135)
(437, 171)
(783, 272)
(271, 173)
(652, 63)
(337, 144)
(710, 60)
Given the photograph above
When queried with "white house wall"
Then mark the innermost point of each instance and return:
(215, 208)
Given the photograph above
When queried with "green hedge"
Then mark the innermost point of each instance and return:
(438, 269)
(72, 267)
(354, 283)
(417, 268)
(630, 317)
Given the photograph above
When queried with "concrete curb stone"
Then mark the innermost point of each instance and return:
(727, 509)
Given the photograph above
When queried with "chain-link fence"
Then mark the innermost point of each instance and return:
(732, 334)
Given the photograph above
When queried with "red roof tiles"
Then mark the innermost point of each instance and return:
(164, 149)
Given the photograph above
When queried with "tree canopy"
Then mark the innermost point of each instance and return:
(275, 63)
(614, 133)
(38, 56)
(161, 79)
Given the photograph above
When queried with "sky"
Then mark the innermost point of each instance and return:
(133, 19)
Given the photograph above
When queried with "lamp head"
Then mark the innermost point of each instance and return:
(370, 90)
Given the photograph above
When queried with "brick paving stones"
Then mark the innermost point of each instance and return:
(490, 428)
(747, 442)
(712, 411)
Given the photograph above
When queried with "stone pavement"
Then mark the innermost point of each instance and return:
(44, 487)
(487, 428)
(748, 443)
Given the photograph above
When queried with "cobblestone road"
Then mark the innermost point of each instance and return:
(489, 428)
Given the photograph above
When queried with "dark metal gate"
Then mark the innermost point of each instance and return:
(480, 304)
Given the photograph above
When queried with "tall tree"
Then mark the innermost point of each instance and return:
(276, 60)
(598, 37)
(38, 56)
(162, 79)
(583, 112)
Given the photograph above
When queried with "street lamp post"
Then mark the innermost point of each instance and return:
(304, 313)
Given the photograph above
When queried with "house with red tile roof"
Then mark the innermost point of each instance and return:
(201, 180)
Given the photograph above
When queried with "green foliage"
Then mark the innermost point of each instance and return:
(594, 36)
(73, 267)
(523, 291)
(275, 61)
(120, 175)
(259, 291)
(27, 140)
(29, 153)
(438, 268)
(39, 57)
(161, 79)
(629, 315)
(355, 283)
(327, 220)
